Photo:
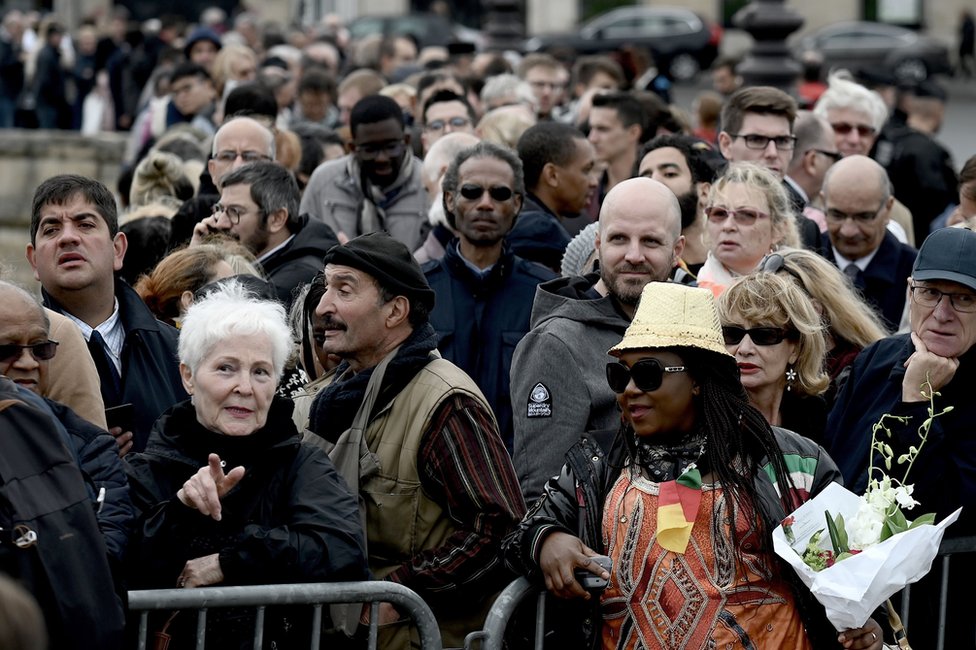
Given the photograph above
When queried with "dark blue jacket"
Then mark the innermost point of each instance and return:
(883, 283)
(479, 321)
(150, 366)
(539, 235)
(944, 473)
(298, 262)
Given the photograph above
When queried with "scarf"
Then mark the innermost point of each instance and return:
(371, 212)
(714, 276)
(336, 405)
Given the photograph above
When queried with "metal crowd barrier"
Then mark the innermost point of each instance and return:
(493, 633)
(261, 596)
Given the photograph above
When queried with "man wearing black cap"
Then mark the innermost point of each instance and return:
(888, 377)
(415, 438)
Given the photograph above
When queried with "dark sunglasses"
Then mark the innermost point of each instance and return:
(40, 351)
(733, 335)
(498, 193)
(648, 375)
(843, 128)
(833, 155)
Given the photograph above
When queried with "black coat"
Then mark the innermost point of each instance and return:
(290, 519)
(883, 283)
(150, 370)
(298, 262)
(538, 234)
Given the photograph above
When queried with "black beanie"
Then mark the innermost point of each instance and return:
(388, 261)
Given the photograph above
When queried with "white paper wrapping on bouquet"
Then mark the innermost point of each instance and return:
(852, 589)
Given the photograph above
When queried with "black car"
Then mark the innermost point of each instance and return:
(907, 55)
(681, 41)
(426, 29)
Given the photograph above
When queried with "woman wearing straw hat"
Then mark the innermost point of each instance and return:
(683, 501)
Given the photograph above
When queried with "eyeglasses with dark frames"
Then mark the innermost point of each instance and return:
(648, 375)
(733, 335)
(233, 212)
(474, 192)
(833, 155)
(930, 297)
(742, 216)
(756, 141)
(43, 351)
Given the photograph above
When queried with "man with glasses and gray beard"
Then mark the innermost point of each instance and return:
(259, 207)
(558, 387)
(890, 377)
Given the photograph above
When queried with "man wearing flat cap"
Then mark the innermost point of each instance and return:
(415, 438)
(890, 376)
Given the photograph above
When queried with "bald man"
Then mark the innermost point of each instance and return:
(857, 202)
(559, 387)
(239, 141)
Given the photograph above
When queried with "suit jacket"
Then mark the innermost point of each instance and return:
(883, 282)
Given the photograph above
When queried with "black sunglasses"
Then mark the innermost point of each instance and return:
(498, 193)
(648, 375)
(733, 335)
(40, 351)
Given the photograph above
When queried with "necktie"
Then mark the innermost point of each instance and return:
(852, 272)
(111, 383)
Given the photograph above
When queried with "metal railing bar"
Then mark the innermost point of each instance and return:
(316, 627)
(143, 629)
(201, 629)
(374, 624)
(259, 628)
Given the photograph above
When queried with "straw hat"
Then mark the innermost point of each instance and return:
(674, 315)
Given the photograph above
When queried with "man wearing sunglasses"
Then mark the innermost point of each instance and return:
(889, 377)
(484, 290)
(75, 250)
(815, 152)
(376, 187)
(857, 204)
(559, 387)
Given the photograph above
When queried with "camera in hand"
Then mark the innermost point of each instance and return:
(591, 581)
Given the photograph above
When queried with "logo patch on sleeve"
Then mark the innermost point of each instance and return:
(540, 402)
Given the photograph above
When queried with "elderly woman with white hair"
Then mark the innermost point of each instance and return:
(227, 492)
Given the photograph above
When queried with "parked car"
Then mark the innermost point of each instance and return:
(681, 42)
(908, 55)
(427, 29)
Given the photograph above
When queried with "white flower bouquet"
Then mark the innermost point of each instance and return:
(871, 550)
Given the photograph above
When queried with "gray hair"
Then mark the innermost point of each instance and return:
(228, 312)
(272, 187)
(484, 149)
(29, 298)
(843, 93)
(504, 86)
(265, 130)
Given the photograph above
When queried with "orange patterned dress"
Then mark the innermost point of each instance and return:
(704, 598)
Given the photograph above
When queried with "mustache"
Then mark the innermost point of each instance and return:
(632, 268)
(330, 323)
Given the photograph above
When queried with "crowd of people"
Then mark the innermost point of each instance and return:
(365, 311)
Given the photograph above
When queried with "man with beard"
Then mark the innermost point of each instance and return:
(484, 291)
(559, 389)
(259, 207)
(559, 173)
(687, 166)
(377, 186)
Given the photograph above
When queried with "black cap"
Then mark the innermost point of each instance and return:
(948, 254)
(388, 261)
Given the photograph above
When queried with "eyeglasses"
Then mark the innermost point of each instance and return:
(229, 156)
(372, 151)
(733, 335)
(929, 297)
(837, 216)
(498, 193)
(436, 126)
(833, 155)
(233, 212)
(756, 141)
(742, 216)
(40, 351)
(843, 128)
(648, 375)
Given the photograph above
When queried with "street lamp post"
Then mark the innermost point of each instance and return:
(503, 24)
(769, 63)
